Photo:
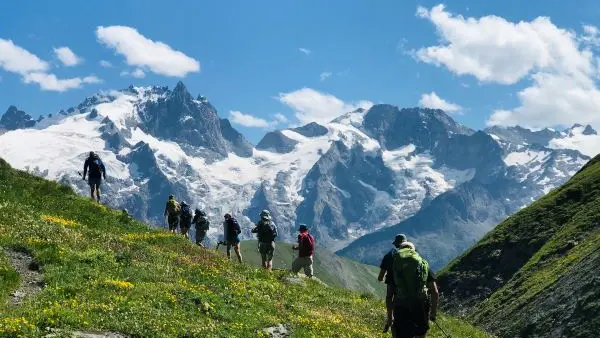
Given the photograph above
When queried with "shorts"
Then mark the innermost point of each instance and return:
(185, 226)
(173, 221)
(92, 181)
(200, 236)
(266, 250)
(234, 241)
(410, 322)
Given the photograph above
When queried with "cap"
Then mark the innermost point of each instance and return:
(303, 227)
(399, 239)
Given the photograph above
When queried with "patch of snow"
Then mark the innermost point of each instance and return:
(525, 157)
(586, 144)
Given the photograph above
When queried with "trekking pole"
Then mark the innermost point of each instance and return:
(439, 327)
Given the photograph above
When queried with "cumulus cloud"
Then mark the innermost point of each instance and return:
(561, 69)
(279, 117)
(137, 73)
(32, 69)
(15, 59)
(51, 83)
(304, 50)
(248, 120)
(313, 106)
(144, 53)
(325, 75)
(105, 64)
(67, 57)
(433, 101)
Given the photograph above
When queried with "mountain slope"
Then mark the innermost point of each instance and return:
(542, 261)
(103, 272)
(364, 171)
(330, 268)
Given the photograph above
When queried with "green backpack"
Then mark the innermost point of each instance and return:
(173, 207)
(410, 272)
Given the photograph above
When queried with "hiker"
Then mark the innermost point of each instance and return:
(97, 171)
(202, 224)
(306, 248)
(386, 271)
(416, 295)
(185, 219)
(172, 211)
(232, 236)
(266, 232)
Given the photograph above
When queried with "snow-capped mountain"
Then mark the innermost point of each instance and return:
(354, 177)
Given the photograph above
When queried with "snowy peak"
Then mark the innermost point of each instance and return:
(15, 119)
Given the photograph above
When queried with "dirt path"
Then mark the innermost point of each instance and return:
(31, 278)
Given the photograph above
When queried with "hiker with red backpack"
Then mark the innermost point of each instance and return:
(416, 294)
(96, 172)
(306, 249)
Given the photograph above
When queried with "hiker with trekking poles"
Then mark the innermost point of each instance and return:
(412, 294)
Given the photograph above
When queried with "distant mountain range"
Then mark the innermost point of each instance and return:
(356, 181)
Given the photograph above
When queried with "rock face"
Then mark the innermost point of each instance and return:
(355, 180)
(540, 261)
(15, 119)
(276, 142)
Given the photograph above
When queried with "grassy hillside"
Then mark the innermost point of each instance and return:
(102, 272)
(542, 261)
(328, 267)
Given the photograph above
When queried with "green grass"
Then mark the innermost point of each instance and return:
(103, 272)
(526, 264)
(328, 267)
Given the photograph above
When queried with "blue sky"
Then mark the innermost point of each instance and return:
(255, 58)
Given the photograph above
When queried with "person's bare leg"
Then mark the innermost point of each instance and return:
(270, 265)
(238, 253)
(228, 251)
(389, 304)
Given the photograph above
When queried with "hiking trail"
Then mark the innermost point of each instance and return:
(31, 278)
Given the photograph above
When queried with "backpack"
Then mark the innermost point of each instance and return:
(95, 167)
(173, 207)
(233, 227)
(266, 231)
(202, 223)
(410, 272)
(186, 212)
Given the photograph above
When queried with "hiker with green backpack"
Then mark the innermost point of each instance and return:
(386, 271)
(172, 211)
(266, 232)
(416, 295)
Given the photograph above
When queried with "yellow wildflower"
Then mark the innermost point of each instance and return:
(118, 284)
(60, 221)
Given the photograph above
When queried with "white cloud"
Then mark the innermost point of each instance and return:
(325, 75)
(496, 50)
(67, 57)
(51, 83)
(562, 70)
(15, 59)
(433, 101)
(305, 51)
(144, 53)
(279, 117)
(591, 35)
(105, 64)
(313, 106)
(138, 73)
(248, 120)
